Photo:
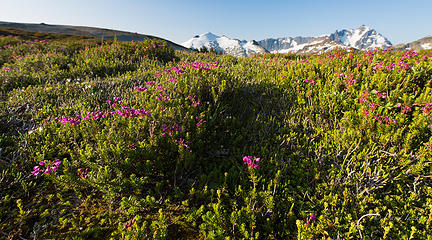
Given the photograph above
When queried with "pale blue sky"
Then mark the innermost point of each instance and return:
(399, 21)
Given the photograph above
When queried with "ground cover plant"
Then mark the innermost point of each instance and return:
(115, 140)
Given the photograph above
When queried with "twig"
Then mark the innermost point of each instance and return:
(358, 221)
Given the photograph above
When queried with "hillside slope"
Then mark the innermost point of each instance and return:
(421, 44)
(88, 31)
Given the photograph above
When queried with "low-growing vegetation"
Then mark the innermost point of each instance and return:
(131, 140)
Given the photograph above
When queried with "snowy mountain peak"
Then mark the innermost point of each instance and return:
(364, 28)
(209, 35)
(362, 38)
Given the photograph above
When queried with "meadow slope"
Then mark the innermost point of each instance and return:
(132, 140)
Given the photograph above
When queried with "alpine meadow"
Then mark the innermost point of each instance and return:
(103, 139)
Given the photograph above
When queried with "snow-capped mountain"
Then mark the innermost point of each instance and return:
(224, 44)
(362, 38)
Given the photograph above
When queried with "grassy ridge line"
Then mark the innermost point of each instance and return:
(99, 33)
(135, 141)
(33, 35)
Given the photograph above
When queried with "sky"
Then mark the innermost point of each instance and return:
(401, 21)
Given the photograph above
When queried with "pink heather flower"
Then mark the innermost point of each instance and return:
(312, 217)
(163, 97)
(170, 130)
(373, 105)
(310, 81)
(381, 94)
(6, 69)
(82, 173)
(140, 88)
(251, 161)
(194, 102)
(37, 173)
(38, 170)
(129, 224)
(363, 97)
(200, 122)
(406, 109)
(182, 142)
(57, 162)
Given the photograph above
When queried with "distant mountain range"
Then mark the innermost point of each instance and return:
(362, 38)
(87, 31)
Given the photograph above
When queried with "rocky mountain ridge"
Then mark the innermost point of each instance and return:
(362, 38)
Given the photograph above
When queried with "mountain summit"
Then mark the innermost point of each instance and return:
(362, 38)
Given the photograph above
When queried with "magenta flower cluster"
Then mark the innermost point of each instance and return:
(404, 108)
(200, 122)
(45, 168)
(193, 65)
(142, 88)
(370, 107)
(310, 81)
(382, 95)
(129, 224)
(194, 101)
(251, 161)
(311, 218)
(183, 143)
(72, 120)
(427, 108)
(170, 130)
(385, 119)
(122, 111)
(180, 69)
(349, 80)
(115, 101)
(82, 173)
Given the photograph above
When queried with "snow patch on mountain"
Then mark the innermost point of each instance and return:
(426, 46)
